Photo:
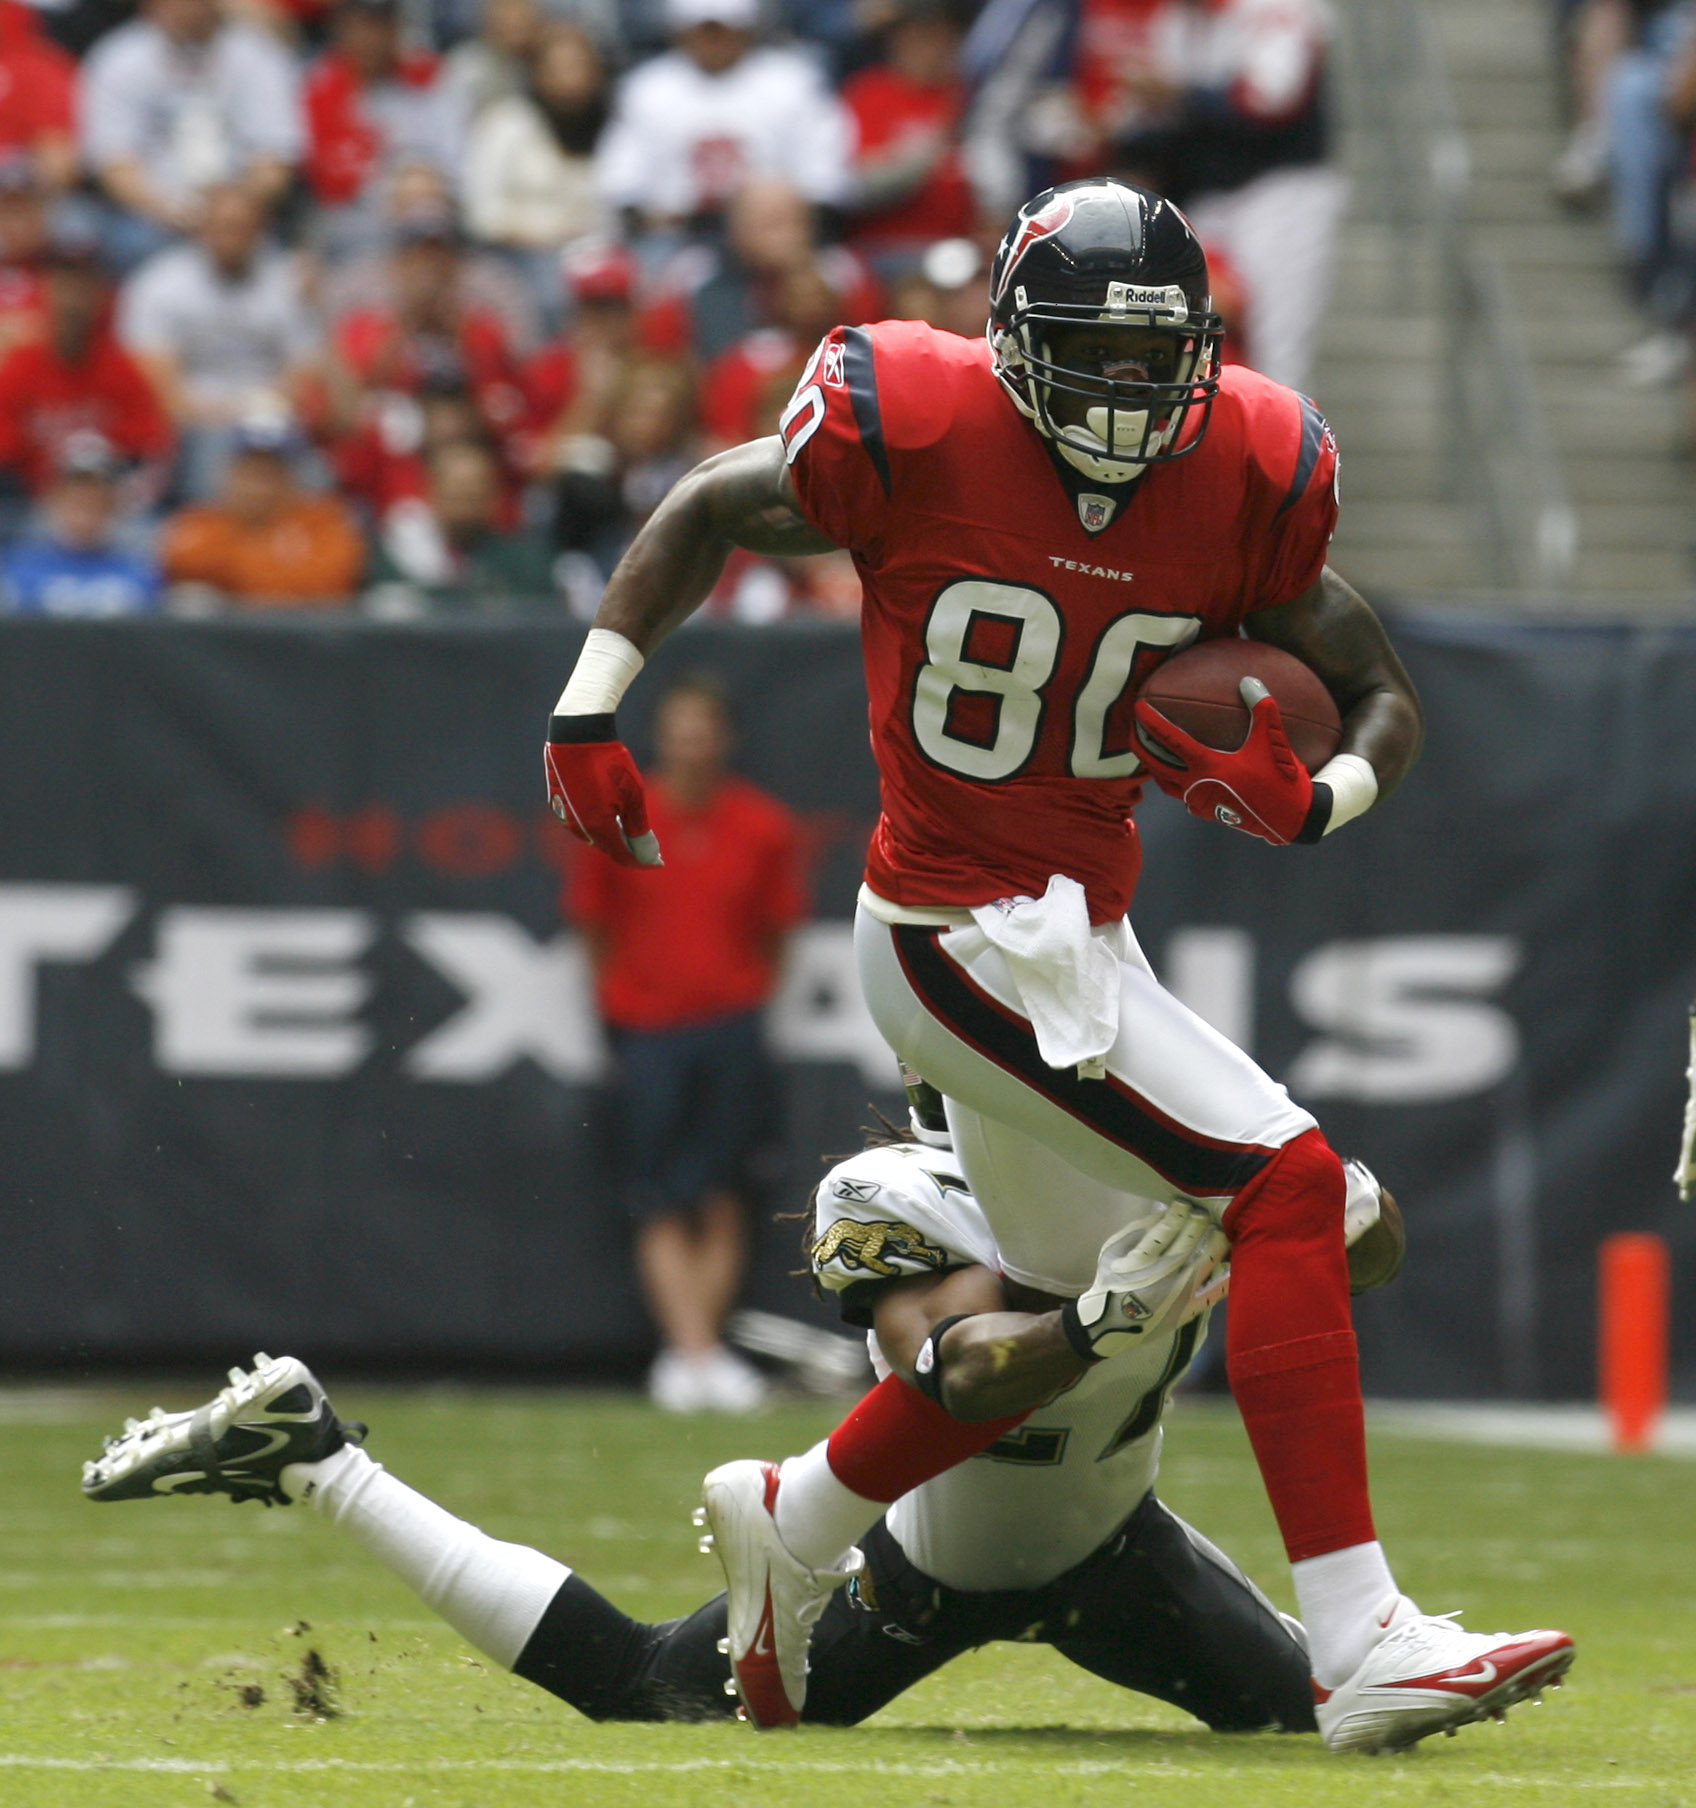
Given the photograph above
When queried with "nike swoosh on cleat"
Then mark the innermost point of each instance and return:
(763, 1633)
(275, 1440)
(1475, 1679)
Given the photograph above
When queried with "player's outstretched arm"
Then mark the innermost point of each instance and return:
(1332, 628)
(743, 497)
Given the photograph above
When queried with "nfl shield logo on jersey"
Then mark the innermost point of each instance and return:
(1095, 512)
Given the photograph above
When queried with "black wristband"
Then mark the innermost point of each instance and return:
(582, 728)
(1076, 1335)
(1318, 814)
(927, 1365)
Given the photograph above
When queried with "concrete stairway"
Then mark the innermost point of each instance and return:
(1411, 524)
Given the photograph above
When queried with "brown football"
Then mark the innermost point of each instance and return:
(1197, 689)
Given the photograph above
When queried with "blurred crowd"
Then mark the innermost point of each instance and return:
(423, 305)
(1631, 82)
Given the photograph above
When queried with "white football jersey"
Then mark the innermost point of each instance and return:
(1042, 1498)
(1055, 1489)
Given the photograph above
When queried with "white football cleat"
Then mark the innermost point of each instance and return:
(773, 1598)
(1427, 1675)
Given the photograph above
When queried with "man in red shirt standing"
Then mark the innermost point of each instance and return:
(686, 956)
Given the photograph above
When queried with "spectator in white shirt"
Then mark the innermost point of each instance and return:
(181, 99)
(529, 174)
(223, 327)
(692, 124)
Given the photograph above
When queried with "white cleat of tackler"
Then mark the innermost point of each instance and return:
(773, 1599)
(1427, 1675)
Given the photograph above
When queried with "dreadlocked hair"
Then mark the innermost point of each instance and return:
(884, 1133)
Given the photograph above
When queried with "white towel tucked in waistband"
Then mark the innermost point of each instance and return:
(1067, 979)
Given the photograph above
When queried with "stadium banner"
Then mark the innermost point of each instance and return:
(296, 1050)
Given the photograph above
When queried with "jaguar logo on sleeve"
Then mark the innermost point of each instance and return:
(876, 1248)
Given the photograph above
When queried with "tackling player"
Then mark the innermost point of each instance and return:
(1054, 1534)
(1037, 520)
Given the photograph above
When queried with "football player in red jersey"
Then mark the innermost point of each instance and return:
(1038, 520)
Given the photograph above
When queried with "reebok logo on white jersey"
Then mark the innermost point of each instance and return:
(1090, 571)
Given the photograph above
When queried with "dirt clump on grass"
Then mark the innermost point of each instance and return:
(313, 1686)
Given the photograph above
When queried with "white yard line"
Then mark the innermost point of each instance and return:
(995, 1763)
(1574, 1428)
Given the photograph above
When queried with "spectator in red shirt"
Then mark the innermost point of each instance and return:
(685, 957)
(746, 389)
(909, 185)
(372, 107)
(76, 378)
(23, 238)
(37, 96)
(428, 320)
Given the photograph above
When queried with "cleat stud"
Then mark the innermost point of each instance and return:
(1451, 1732)
(699, 1516)
(705, 1544)
(730, 1685)
(723, 1647)
(742, 1715)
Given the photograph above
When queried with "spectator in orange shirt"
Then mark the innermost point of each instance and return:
(686, 956)
(267, 542)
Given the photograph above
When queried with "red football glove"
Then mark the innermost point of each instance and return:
(596, 791)
(1262, 788)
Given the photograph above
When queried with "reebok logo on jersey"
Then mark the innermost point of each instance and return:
(1090, 571)
(831, 370)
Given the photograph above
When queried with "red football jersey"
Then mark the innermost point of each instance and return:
(1003, 639)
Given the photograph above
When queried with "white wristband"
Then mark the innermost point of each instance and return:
(1354, 787)
(601, 676)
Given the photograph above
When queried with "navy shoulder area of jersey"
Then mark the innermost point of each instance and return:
(1279, 434)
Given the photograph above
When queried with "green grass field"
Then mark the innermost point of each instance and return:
(154, 1653)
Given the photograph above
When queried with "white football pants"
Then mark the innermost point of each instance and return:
(1052, 1159)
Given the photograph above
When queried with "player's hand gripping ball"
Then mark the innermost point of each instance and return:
(1234, 730)
(596, 791)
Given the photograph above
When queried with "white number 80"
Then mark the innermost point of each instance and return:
(1016, 687)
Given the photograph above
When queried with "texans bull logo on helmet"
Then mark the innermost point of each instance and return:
(1027, 231)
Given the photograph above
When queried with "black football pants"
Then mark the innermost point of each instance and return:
(1155, 1609)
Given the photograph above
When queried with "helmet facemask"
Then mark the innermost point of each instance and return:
(1112, 409)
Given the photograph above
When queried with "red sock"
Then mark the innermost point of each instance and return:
(1291, 1352)
(897, 1438)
